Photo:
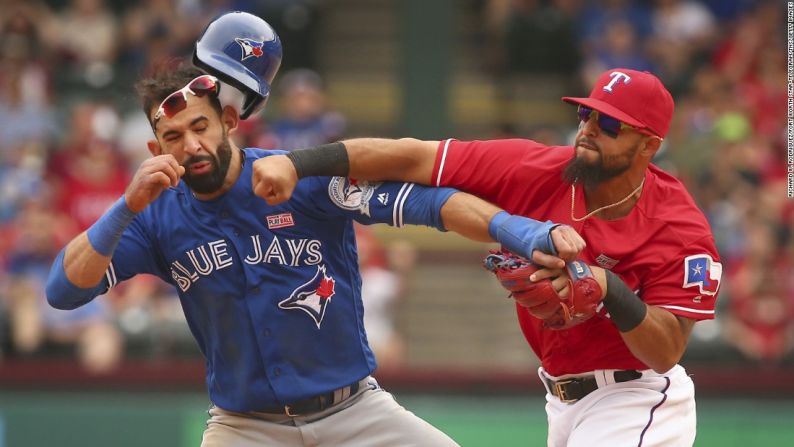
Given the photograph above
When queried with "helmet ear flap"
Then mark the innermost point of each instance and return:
(252, 105)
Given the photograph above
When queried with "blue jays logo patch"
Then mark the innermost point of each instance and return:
(251, 48)
(352, 194)
(312, 297)
(702, 271)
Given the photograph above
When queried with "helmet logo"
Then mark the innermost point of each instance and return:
(251, 48)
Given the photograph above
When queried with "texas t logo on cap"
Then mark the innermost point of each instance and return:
(616, 77)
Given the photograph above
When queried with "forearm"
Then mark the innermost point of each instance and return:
(654, 335)
(657, 341)
(406, 159)
(468, 216)
(479, 220)
(82, 264)
(77, 272)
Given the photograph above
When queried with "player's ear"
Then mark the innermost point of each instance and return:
(230, 119)
(651, 147)
(154, 147)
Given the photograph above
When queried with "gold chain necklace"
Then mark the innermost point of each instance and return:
(590, 214)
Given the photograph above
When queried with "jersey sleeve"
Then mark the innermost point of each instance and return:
(499, 170)
(688, 283)
(395, 204)
(136, 253)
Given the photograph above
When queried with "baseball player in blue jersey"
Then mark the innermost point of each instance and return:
(272, 294)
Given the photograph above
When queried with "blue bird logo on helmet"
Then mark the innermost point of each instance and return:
(251, 48)
(243, 51)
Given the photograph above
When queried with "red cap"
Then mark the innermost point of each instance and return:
(637, 98)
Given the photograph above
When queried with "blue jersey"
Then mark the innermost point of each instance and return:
(272, 294)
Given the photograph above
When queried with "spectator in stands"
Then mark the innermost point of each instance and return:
(596, 17)
(620, 47)
(683, 32)
(527, 29)
(93, 179)
(760, 321)
(26, 117)
(37, 329)
(87, 38)
(305, 119)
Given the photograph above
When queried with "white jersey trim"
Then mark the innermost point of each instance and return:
(401, 203)
(688, 309)
(110, 274)
(443, 159)
(396, 207)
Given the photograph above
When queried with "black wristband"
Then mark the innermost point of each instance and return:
(625, 308)
(325, 159)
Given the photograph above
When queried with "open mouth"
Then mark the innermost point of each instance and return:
(201, 167)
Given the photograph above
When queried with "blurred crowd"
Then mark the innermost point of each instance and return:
(72, 134)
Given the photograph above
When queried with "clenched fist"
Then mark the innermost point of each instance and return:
(274, 179)
(153, 176)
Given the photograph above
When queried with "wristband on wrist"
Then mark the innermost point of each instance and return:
(625, 308)
(106, 232)
(325, 159)
(521, 235)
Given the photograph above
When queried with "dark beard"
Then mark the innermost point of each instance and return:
(593, 174)
(213, 180)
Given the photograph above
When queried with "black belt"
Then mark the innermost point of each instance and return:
(571, 390)
(316, 403)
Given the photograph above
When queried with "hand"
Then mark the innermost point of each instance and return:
(540, 297)
(567, 242)
(536, 240)
(274, 179)
(561, 298)
(560, 281)
(153, 176)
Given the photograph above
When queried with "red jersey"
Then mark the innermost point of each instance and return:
(663, 249)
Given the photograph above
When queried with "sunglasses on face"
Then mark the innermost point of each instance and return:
(610, 126)
(177, 101)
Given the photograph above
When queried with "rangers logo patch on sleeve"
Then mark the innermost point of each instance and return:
(702, 271)
(351, 194)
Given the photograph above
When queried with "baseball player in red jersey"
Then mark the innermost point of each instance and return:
(613, 378)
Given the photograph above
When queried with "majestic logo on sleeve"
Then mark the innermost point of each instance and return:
(351, 194)
(702, 271)
(312, 297)
(251, 48)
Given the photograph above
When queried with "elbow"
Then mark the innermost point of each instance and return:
(662, 367)
(57, 299)
(62, 294)
(665, 363)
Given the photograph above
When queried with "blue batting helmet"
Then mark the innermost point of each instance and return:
(242, 50)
